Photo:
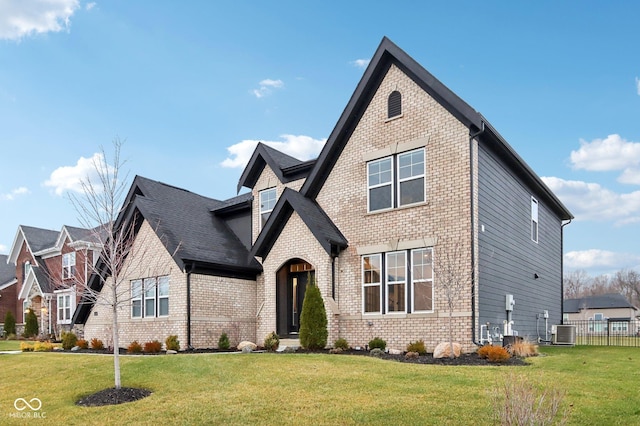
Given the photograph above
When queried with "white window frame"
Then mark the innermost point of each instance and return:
(415, 281)
(535, 228)
(371, 284)
(389, 283)
(25, 270)
(261, 199)
(163, 294)
(390, 183)
(68, 265)
(65, 306)
(413, 177)
(150, 293)
(136, 296)
(25, 306)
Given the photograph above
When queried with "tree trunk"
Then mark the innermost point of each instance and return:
(116, 348)
(451, 333)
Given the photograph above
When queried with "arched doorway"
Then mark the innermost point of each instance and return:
(291, 284)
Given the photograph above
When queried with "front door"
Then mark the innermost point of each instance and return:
(297, 286)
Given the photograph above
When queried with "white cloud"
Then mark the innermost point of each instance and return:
(590, 201)
(19, 18)
(4, 249)
(12, 195)
(611, 153)
(360, 63)
(90, 5)
(638, 85)
(266, 87)
(598, 259)
(301, 147)
(70, 178)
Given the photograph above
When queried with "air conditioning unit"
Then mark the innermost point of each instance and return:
(564, 335)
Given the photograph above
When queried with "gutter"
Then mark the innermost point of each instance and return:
(472, 136)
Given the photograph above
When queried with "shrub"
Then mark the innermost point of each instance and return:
(411, 355)
(43, 347)
(82, 344)
(172, 343)
(494, 353)
(376, 352)
(134, 348)
(31, 324)
(417, 347)
(69, 340)
(272, 341)
(11, 337)
(377, 343)
(9, 324)
(313, 319)
(26, 347)
(523, 349)
(223, 342)
(97, 344)
(341, 344)
(523, 403)
(152, 347)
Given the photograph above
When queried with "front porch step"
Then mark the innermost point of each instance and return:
(291, 344)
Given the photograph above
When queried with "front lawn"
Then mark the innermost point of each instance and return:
(600, 385)
(9, 345)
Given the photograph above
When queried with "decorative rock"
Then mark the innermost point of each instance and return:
(282, 348)
(245, 344)
(58, 349)
(443, 350)
(246, 350)
(395, 352)
(75, 349)
(171, 352)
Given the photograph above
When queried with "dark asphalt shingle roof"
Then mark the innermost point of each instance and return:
(604, 301)
(279, 162)
(7, 270)
(38, 238)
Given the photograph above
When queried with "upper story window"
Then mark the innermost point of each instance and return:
(394, 104)
(26, 269)
(267, 202)
(409, 179)
(68, 265)
(534, 220)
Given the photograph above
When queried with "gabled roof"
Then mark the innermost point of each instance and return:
(190, 231)
(37, 239)
(7, 272)
(389, 54)
(232, 205)
(78, 237)
(286, 167)
(322, 228)
(38, 276)
(603, 301)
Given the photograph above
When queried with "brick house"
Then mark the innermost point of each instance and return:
(47, 266)
(411, 174)
(8, 289)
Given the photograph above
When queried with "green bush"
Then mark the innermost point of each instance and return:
(152, 347)
(172, 343)
(272, 341)
(341, 344)
(223, 342)
(97, 344)
(417, 347)
(69, 340)
(376, 352)
(134, 347)
(31, 324)
(313, 319)
(377, 343)
(9, 324)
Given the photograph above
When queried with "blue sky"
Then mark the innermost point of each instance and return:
(191, 86)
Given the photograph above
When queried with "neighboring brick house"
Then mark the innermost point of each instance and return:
(409, 173)
(8, 289)
(48, 266)
(600, 312)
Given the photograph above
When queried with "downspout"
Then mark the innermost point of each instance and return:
(473, 245)
(562, 271)
(333, 276)
(188, 269)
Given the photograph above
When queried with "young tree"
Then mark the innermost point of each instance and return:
(313, 318)
(9, 324)
(31, 324)
(453, 273)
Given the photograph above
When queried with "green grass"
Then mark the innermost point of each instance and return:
(601, 386)
(9, 345)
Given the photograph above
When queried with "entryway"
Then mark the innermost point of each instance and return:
(291, 284)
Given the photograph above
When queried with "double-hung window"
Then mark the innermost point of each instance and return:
(422, 279)
(68, 265)
(150, 297)
(534, 220)
(267, 203)
(396, 181)
(371, 283)
(64, 308)
(396, 281)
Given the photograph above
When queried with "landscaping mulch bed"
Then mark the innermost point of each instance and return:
(113, 396)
